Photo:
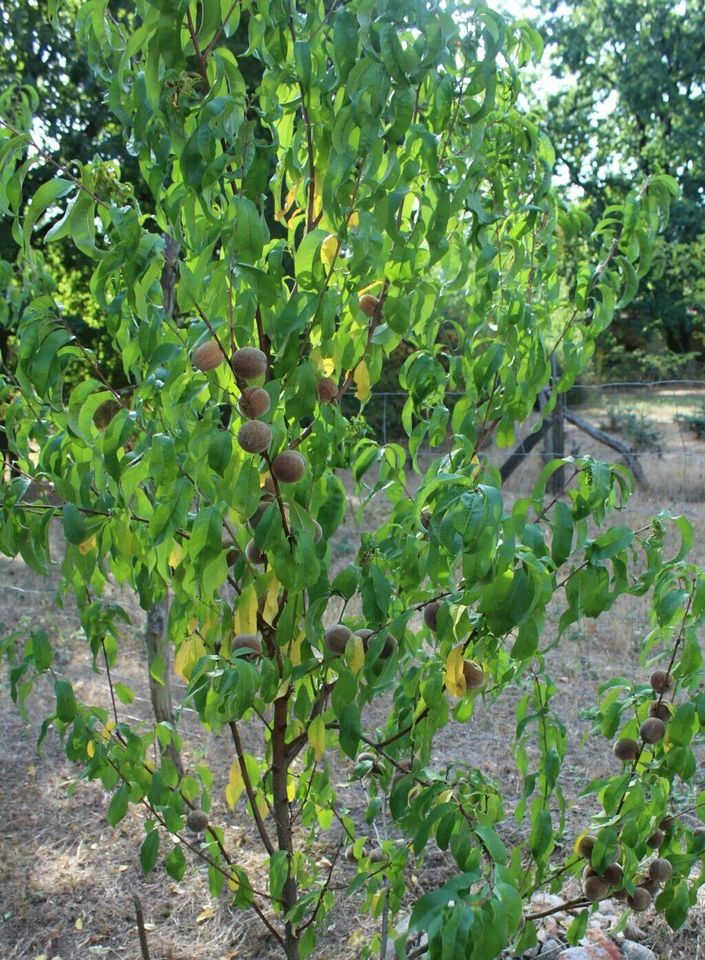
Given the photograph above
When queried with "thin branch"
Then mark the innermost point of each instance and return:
(249, 789)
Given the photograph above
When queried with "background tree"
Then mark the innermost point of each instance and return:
(633, 104)
(387, 145)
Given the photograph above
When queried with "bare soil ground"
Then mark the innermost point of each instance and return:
(67, 880)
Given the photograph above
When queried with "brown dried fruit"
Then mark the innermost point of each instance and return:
(288, 466)
(254, 436)
(207, 356)
(656, 839)
(660, 681)
(336, 638)
(377, 856)
(613, 874)
(586, 845)
(246, 641)
(620, 894)
(474, 675)
(595, 888)
(626, 749)
(254, 402)
(197, 820)
(253, 553)
(430, 614)
(640, 900)
(589, 872)
(652, 730)
(650, 885)
(369, 304)
(249, 363)
(389, 648)
(660, 710)
(660, 870)
(326, 390)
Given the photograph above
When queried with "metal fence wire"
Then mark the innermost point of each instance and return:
(660, 422)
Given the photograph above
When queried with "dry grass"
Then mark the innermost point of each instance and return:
(67, 880)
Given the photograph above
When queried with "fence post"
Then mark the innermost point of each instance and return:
(555, 437)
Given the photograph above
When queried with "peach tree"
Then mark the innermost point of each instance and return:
(327, 180)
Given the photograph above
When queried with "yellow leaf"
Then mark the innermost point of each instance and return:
(87, 546)
(317, 196)
(317, 736)
(355, 653)
(325, 365)
(90, 748)
(295, 649)
(234, 885)
(354, 220)
(329, 250)
(176, 555)
(290, 789)
(188, 655)
(361, 376)
(454, 676)
(246, 611)
(205, 915)
(78, 924)
(271, 600)
(235, 785)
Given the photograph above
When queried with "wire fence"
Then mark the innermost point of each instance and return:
(662, 422)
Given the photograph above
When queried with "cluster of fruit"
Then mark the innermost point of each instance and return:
(598, 885)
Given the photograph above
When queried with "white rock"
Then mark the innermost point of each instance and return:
(637, 951)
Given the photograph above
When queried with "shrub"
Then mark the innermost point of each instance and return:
(325, 203)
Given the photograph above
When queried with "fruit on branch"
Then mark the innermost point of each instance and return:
(652, 730)
(254, 402)
(253, 553)
(389, 648)
(586, 845)
(197, 820)
(326, 390)
(661, 681)
(656, 839)
(336, 638)
(350, 854)
(667, 823)
(430, 614)
(660, 870)
(620, 894)
(595, 888)
(249, 363)
(378, 856)
(265, 502)
(640, 900)
(247, 641)
(364, 633)
(288, 466)
(626, 749)
(254, 436)
(426, 516)
(474, 675)
(207, 356)
(613, 874)
(661, 710)
(650, 885)
(233, 552)
(369, 304)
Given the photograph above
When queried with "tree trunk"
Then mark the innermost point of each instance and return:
(156, 634)
(282, 818)
(157, 641)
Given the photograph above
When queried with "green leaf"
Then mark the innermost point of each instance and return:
(149, 851)
(65, 701)
(118, 805)
(75, 526)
